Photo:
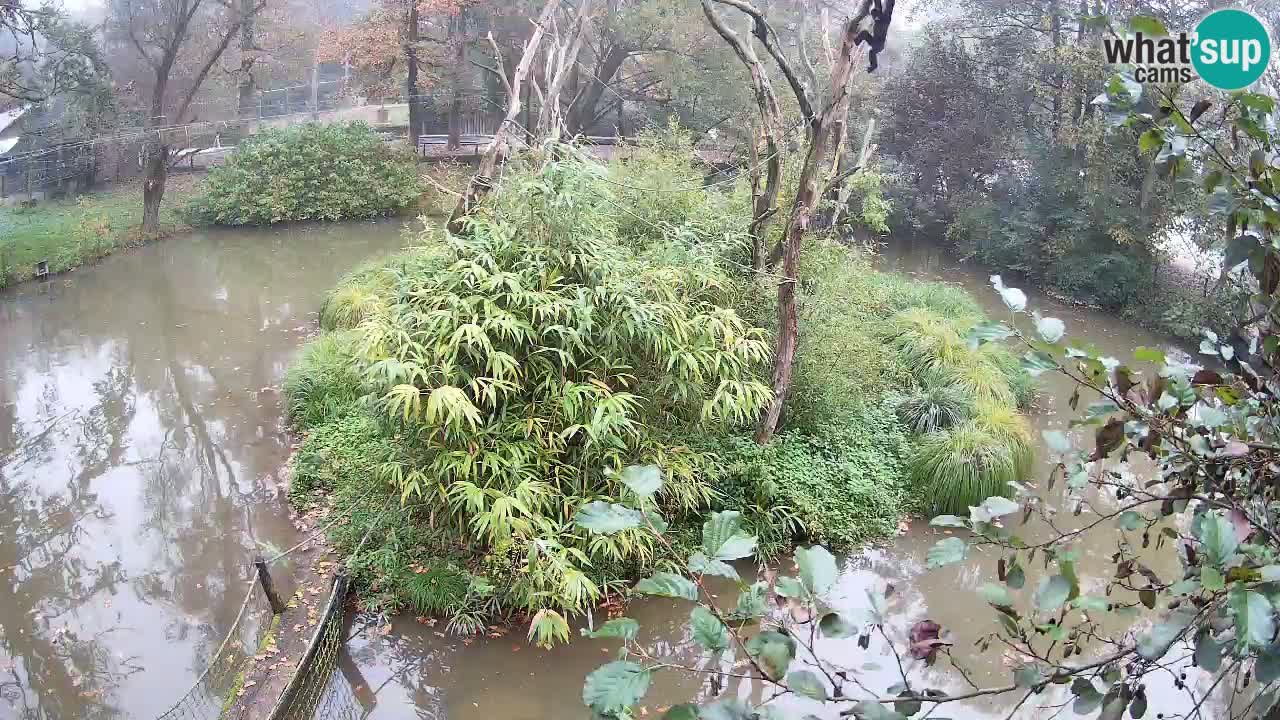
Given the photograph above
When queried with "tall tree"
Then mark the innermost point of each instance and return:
(167, 34)
(43, 54)
(820, 114)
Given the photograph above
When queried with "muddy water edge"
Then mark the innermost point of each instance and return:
(141, 449)
(414, 669)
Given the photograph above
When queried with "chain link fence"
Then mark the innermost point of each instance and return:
(214, 691)
(318, 690)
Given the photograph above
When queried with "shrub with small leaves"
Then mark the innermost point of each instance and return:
(309, 172)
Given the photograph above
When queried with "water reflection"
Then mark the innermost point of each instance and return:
(416, 669)
(140, 454)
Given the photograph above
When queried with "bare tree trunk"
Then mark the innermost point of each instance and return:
(248, 45)
(564, 56)
(820, 138)
(411, 60)
(458, 29)
(764, 203)
(153, 184)
(482, 181)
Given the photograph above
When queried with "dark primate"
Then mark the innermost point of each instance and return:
(881, 16)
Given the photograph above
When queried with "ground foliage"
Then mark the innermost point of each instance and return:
(309, 172)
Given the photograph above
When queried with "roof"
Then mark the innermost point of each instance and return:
(9, 117)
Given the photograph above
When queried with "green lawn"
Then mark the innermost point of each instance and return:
(71, 233)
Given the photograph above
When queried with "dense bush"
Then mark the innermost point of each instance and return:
(515, 370)
(322, 383)
(497, 383)
(840, 485)
(309, 172)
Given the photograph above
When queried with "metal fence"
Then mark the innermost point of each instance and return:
(214, 691)
(318, 689)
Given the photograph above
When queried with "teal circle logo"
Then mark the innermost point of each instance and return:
(1231, 49)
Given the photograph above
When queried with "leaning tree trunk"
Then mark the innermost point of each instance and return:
(157, 174)
(482, 181)
(819, 136)
(764, 197)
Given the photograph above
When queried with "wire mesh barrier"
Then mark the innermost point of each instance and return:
(214, 690)
(317, 690)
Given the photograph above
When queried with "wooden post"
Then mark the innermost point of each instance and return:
(268, 586)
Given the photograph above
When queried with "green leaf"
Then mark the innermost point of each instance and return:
(1087, 696)
(1211, 579)
(1016, 577)
(1217, 535)
(623, 627)
(1148, 26)
(833, 625)
(872, 710)
(722, 539)
(1153, 644)
(1052, 593)
(751, 602)
(727, 709)
(684, 711)
(1152, 355)
(1129, 520)
(789, 587)
(613, 688)
(997, 595)
(668, 584)
(1208, 654)
(644, 480)
(807, 684)
(708, 631)
(1255, 622)
(817, 568)
(946, 552)
(1038, 363)
(1150, 141)
(606, 519)
(988, 332)
(703, 565)
(773, 651)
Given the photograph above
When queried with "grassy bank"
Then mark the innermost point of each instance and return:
(470, 396)
(71, 233)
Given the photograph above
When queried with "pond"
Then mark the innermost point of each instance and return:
(141, 446)
(141, 449)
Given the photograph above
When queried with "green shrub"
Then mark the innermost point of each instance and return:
(957, 468)
(841, 485)
(935, 407)
(516, 369)
(349, 450)
(309, 172)
(322, 383)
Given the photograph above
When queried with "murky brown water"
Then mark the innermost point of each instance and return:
(140, 449)
(418, 671)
